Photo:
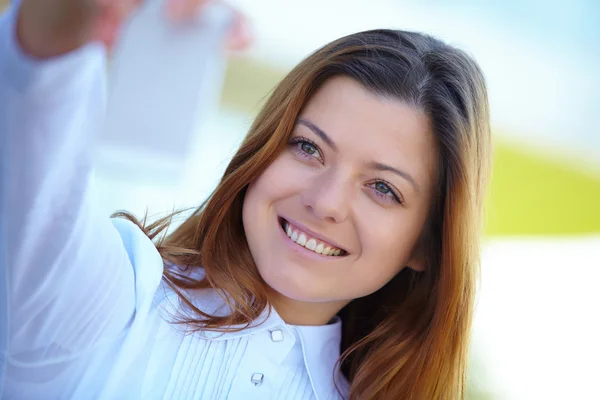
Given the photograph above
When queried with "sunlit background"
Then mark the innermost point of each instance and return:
(537, 328)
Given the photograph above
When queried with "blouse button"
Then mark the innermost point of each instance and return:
(257, 378)
(277, 335)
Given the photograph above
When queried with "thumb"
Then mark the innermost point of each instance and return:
(112, 15)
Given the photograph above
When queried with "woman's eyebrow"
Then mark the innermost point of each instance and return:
(374, 165)
(383, 167)
(319, 132)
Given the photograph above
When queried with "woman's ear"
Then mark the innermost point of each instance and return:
(418, 260)
(416, 265)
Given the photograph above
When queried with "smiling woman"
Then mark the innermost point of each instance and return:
(325, 182)
(374, 150)
(337, 258)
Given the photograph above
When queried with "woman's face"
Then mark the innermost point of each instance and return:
(338, 213)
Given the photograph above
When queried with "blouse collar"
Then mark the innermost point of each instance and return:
(320, 344)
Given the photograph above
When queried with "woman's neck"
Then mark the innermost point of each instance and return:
(302, 313)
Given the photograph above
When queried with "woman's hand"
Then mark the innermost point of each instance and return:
(48, 28)
(113, 12)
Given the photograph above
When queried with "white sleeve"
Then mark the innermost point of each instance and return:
(66, 280)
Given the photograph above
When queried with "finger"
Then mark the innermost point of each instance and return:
(181, 10)
(239, 36)
(105, 28)
(118, 7)
(111, 18)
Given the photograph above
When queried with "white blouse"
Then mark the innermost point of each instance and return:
(84, 313)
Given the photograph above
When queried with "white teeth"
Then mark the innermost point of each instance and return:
(319, 249)
(301, 240)
(310, 243)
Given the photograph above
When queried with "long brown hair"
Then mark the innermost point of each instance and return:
(410, 339)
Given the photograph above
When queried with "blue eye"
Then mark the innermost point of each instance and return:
(383, 190)
(306, 148)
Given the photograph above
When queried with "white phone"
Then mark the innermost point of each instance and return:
(164, 79)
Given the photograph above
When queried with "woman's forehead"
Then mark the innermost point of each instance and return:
(346, 104)
(358, 121)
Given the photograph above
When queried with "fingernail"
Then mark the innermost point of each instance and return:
(176, 8)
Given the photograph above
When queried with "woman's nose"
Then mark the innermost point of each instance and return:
(328, 197)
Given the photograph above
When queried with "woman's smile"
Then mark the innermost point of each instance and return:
(312, 243)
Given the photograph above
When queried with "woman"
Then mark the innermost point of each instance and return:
(336, 258)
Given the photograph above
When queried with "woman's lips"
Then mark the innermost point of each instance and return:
(309, 240)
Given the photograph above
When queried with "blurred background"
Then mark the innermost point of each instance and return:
(537, 327)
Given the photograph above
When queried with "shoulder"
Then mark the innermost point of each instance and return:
(144, 257)
(148, 268)
(207, 300)
(140, 248)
